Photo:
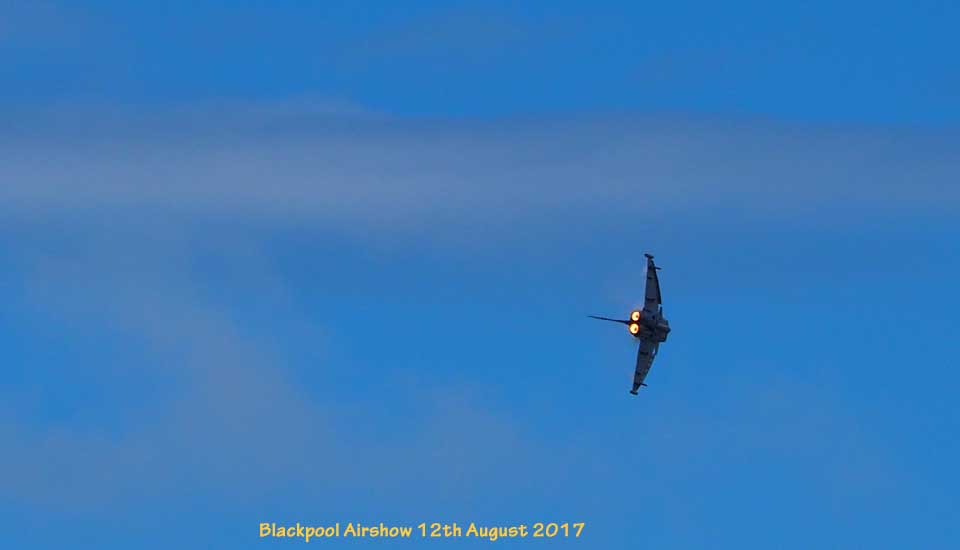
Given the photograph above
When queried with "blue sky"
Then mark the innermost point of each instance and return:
(316, 262)
(823, 61)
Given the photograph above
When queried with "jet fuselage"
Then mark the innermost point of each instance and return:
(654, 327)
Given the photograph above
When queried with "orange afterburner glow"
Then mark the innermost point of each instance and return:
(634, 328)
(634, 316)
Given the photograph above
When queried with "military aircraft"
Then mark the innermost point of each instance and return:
(648, 325)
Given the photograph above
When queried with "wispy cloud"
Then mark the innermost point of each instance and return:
(235, 420)
(370, 171)
(106, 216)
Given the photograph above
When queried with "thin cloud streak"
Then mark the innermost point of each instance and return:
(372, 172)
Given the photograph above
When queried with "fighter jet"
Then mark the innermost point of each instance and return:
(648, 325)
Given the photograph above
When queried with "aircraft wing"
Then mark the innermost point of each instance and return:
(645, 355)
(651, 299)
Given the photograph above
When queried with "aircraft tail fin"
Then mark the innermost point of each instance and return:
(609, 319)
